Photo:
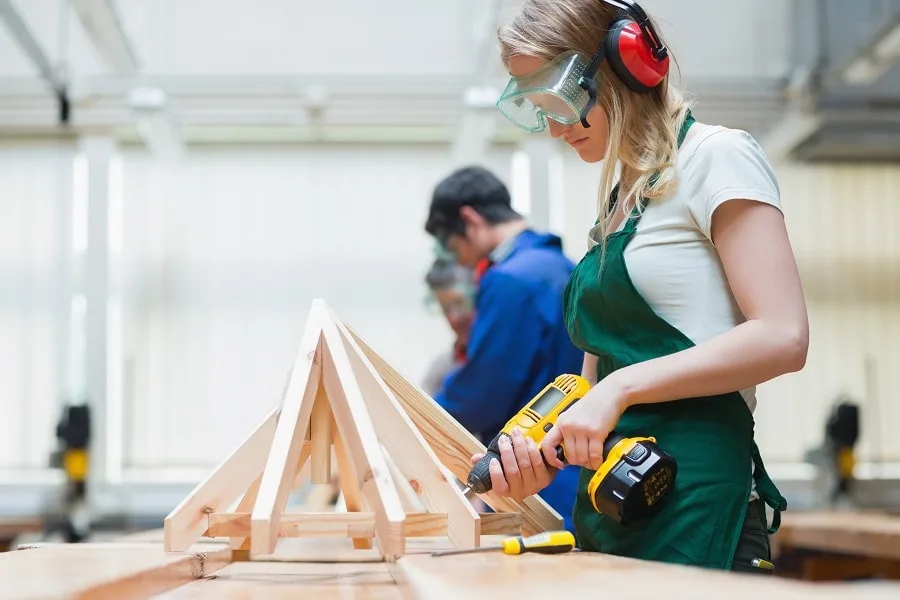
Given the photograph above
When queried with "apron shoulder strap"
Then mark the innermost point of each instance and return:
(682, 134)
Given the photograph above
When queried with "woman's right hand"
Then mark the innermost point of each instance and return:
(524, 471)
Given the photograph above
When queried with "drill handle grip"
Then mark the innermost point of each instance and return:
(611, 440)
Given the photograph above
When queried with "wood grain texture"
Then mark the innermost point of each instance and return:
(871, 534)
(356, 429)
(407, 447)
(454, 445)
(111, 571)
(320, 437)
(295, 581)
(231, 478)
(589, 575)
(280, 469)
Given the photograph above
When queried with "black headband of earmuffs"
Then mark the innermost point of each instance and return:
(657, 50)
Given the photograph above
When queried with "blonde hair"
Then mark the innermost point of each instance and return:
(643, 128)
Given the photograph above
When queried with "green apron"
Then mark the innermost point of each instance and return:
(711, 438)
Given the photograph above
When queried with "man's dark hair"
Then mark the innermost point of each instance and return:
(470, 186)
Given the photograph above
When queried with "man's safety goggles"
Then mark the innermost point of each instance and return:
(555, 91)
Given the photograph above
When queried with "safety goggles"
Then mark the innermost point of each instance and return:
(555, 91)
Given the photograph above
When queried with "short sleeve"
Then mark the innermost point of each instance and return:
(728, 165)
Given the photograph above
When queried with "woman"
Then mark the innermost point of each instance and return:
(687, 298)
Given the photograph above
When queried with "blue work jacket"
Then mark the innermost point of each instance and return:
(517, 345)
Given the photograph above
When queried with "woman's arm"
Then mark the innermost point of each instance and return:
(589, 368)
(759, 264)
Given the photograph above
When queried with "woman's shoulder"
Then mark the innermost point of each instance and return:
(715, 143)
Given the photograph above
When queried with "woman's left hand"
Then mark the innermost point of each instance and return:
(584, 427)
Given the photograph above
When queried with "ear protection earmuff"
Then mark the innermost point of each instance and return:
(635, 53)
(633, 49)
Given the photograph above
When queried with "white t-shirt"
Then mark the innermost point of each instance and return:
(671, 258)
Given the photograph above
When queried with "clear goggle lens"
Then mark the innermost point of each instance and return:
(551, 92)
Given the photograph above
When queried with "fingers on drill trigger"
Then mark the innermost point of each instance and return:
(508, 458)
(523, 458)
(576, 450)
(537, 463)
(596, 454)
(510, 465)
(548, 446)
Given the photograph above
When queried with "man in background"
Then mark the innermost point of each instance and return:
(518, 341)
(452, 287)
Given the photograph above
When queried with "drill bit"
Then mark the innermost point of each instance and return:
(467, 490)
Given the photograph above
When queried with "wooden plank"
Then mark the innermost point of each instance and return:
(279, 472)
(454, 445)
(349, 482)
(110, 571)
(294, 581)
(872, 534)
(413, 455)
(328, 524)
(358, 433)
(320, 436)
(492, 576)
(408, 496)
(249, 501)
(187, 522)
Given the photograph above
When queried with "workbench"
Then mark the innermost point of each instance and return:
(839, 545)
(135, 569)
(11, 528)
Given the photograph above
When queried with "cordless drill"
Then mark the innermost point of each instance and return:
(636, 474)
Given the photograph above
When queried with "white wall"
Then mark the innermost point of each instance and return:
(222, 257)
(34, 280)
(223, 253)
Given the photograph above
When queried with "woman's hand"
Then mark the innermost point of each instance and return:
(584, 427)
(523, 473)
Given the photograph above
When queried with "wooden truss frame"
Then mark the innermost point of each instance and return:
(396, 450)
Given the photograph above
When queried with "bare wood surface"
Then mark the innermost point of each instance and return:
(577, 574)
(287, 442)
(871, 534)
(13, 526)
(355, 427)
(454, 445)
(187, 522)
(109, 571)
(292, 581)
(349, 482)
(300, 569)
(355, 524)
(415, 459)
(320, 437)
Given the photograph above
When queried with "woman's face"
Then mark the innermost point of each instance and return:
(591, 143)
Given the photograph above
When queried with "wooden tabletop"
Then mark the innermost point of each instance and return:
(489, 577)
(103, 571)
(301, 569)
(865, 533)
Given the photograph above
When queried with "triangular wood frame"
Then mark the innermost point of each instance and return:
(396, 449)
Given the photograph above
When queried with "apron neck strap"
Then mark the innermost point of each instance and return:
(682, 134)
(688, 121)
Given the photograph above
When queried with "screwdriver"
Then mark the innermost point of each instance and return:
(548, 542)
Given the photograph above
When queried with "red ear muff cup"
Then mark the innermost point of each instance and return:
(631, 58)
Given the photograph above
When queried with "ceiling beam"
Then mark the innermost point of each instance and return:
(30, 46)
(104, 28)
